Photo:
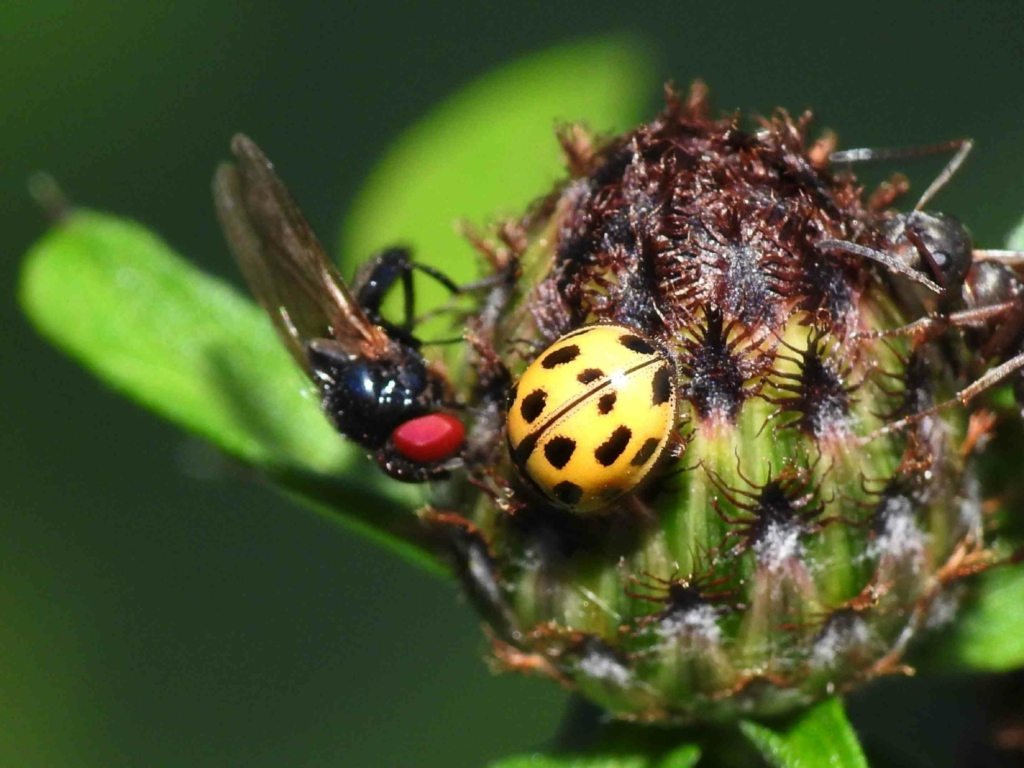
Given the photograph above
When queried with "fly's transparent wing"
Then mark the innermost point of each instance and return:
(285, 266)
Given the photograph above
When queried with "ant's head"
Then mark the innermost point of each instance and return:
(935, 245)
(932, 249)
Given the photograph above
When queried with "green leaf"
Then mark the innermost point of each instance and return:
(490, 149)
(682, 757)
(989, 636)
(185, 345)
(191, 348)
(820, 737)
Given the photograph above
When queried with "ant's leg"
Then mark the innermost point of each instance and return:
(982, 315)
(1004, 332)
(991, 377)
(961, 147)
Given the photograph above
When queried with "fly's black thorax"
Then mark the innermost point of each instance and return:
(366, 399)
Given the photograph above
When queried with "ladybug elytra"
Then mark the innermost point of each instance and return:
(592, 415)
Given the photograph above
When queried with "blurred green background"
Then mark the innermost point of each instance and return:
(158, 605)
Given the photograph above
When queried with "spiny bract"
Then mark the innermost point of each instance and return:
(786, 545)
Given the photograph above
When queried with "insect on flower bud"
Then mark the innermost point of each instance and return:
(713, 454)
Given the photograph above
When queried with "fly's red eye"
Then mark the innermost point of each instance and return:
(429, 438)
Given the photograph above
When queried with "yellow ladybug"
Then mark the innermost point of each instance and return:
(592, 415)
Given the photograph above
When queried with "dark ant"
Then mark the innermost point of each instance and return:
(375, 385)
(973, 289)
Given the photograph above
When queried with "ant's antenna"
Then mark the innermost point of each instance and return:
(870, 154)
(882, 258)
(965, 147)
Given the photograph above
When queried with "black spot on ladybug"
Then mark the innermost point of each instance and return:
(646, 451)
(560, 356)
(636, 344)
(590, 375)
(522, 451)
(567, 493)
(558, 450)
(609, 451)
(533, 405)
(606, 403)
(661, 386)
